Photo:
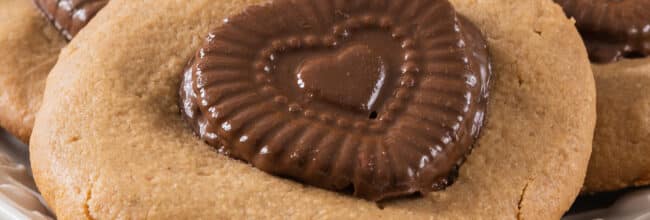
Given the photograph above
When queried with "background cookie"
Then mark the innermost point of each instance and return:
(29, 45)
(616, 37)
(110, 143)
(622, 140)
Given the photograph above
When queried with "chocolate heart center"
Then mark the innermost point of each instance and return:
(353, 77)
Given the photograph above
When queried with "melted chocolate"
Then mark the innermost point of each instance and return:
(70, 16)
(612, 29)
(384, 98)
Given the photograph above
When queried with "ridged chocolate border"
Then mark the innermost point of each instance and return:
(415, 147)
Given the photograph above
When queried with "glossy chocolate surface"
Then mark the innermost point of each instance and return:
(612, 29)
(70, 16)
(381, 98)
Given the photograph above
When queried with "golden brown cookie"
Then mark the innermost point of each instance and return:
(622, 139)
(109, 141)
(617, 36)
(29, 45)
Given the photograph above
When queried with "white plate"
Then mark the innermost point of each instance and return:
(19, 198)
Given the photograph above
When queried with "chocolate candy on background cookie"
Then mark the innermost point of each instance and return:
(612, 29)
(374, 97)
(70, 16)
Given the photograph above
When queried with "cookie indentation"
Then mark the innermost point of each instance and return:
(383, 98)
(612, 29)
(70, 16)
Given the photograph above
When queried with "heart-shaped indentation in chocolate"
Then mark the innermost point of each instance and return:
(353, 77)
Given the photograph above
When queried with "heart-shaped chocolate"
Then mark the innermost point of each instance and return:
(384, 98)
(354, 77)
(70, 16)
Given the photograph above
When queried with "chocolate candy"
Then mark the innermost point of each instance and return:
(612, 29)
(380, 98)
(69, 16)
